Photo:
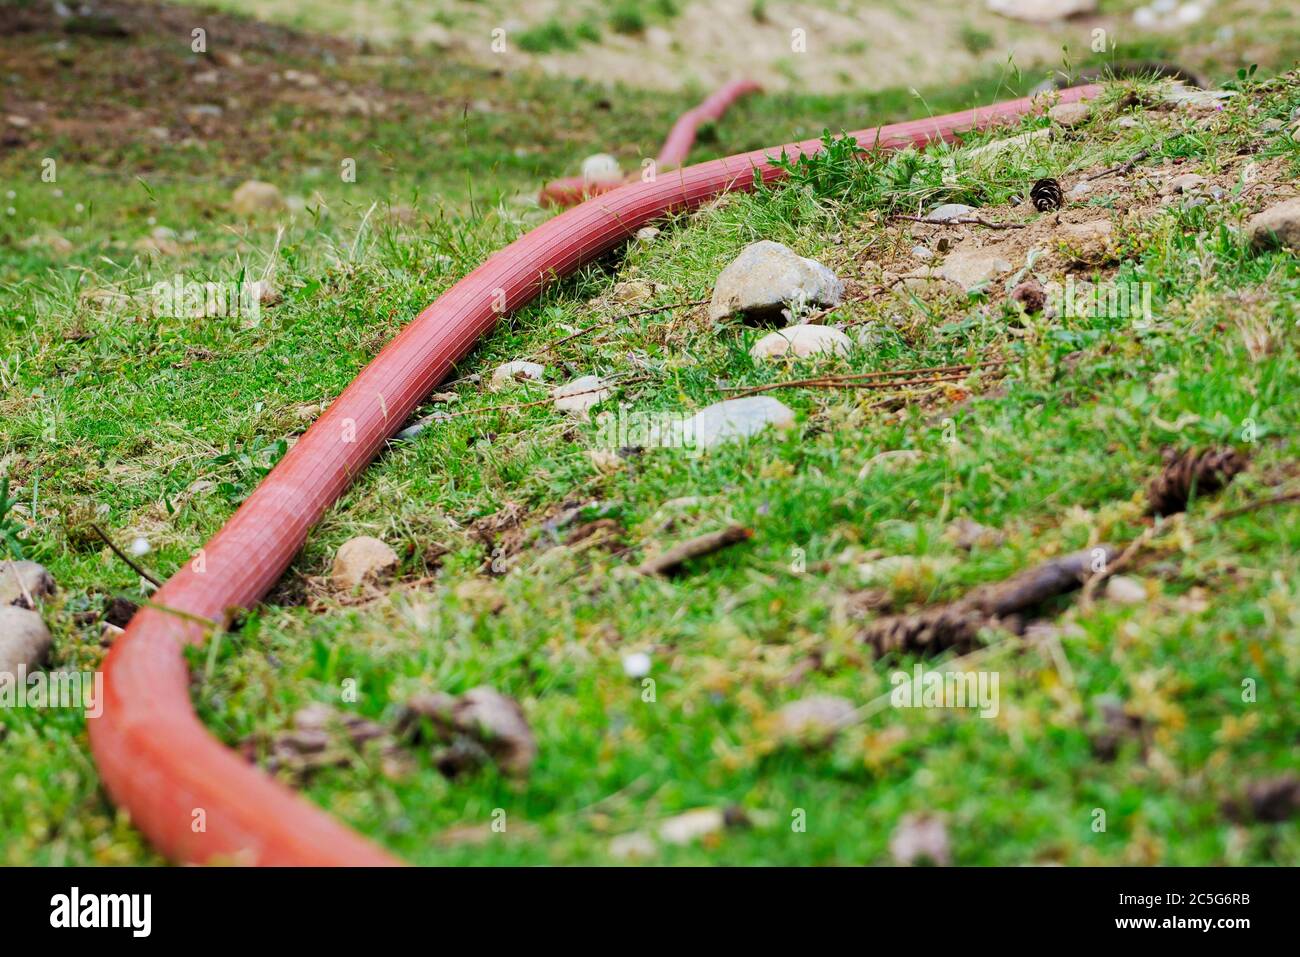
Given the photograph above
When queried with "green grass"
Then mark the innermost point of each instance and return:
(160, 426)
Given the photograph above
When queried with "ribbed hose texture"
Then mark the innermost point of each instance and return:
(198, 802)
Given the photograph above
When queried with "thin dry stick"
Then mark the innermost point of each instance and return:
(694, 548)
(1258, 504)
(1131, 163)
(27, 595)
(1126, 556)
(649, 310)
(959, 221)
(122, 555)
(873, 380)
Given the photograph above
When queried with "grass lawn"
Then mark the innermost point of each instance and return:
(159, 427)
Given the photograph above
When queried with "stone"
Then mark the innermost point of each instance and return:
(636, 664)
(1042, 11)
(1186, 183)
(18, 580)
(361, 560)
(767, 280)
(1125, 591)
(509, 373)
(920, 839)
(691, 826)
(254, 196)
(601, 168)
(24, 640)
(814, 720)
(948, 212)
(636, 844)
(973, 268)
(1070, 115)
(51, 242)
(969, 535)
(1031, 295)
(801, 341)
(577, 397)
(1279, 225)
(982, 156)
(1087, 243)
(647, 234)
(499, 723)
(726, 421)
(632, 291)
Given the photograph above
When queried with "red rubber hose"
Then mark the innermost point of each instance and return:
(198, 802)
(574, 189)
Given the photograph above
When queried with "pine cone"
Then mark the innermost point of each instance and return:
(930, 631)
(1047, 195)
(1206, 471)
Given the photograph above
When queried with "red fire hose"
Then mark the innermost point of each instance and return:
(200, 803)
(573, 190)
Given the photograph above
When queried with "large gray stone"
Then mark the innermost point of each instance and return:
(768, 279)
(24, 640)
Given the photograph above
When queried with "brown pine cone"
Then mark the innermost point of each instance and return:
(1205, 470)
(1047, 195)
(929, 631)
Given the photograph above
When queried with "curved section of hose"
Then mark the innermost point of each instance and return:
(198, 802)
(572, 190)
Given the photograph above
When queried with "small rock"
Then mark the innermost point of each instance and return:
(499, 722)
(601, 168)
(362, 559)
(814, 721)
(1271, 125)
(263, 292)
(637, 844)
(948, 212)
(1087, 243)
(139, 546)
(20, 579)
(1279, 225)
(24, 640)
(254, 196)
(1042, 11)
(728, 420)
(577, 397)
(1081, 188)
(636, 665)
(920, 839)
(1274, 799)
(647, 234)
(51, 242)
(1021, 143)
(605, 460)
(1030, 295)
(1070, 115)
(691, 826)
(968, 535)
(1187, 183)
(768, 280)
(801, 341)
(509, 373)
(973, 268)
(1125, 591)
(923, 253)
(631, 291)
